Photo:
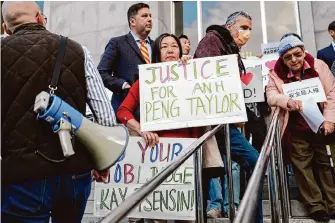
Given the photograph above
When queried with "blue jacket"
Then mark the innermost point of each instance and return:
(327, 55)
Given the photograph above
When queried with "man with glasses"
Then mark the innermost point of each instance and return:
(224, 40)
(37, 181)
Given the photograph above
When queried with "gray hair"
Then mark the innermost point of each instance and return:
(231, 20)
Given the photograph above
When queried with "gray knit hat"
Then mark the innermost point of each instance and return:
(288, 43)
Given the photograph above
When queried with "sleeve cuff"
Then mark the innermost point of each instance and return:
(124, 85)
(126, 118)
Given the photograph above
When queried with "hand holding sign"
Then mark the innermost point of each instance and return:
(294, 105)
(151, 138)
(328, 127)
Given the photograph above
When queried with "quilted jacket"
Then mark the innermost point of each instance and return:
(29, 148)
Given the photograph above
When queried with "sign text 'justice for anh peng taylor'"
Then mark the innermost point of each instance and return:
(173, 199)
(205, 91)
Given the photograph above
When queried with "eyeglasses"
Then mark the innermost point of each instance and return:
(297, 54)
(45, 18)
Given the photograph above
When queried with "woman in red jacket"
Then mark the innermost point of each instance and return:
(166, 48)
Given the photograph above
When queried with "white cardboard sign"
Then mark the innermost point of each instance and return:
(270, 48)
(266, 63)
(206, 91)
(174, 199)
(252, 83)
(305, 89)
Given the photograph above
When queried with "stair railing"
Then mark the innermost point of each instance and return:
(130, 203)
(278, 186)
(247, 209)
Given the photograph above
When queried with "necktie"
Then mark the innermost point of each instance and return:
(144, 51)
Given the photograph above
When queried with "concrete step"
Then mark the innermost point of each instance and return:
(298, 209)
(218, 220)
(268, 220)
(299, 214)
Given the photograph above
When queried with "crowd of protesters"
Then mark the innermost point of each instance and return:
(35, 189)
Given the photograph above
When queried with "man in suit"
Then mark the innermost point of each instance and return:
(328, 54)
(118, 66)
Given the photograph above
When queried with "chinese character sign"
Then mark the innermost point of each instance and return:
(270, 48)
(305, 89)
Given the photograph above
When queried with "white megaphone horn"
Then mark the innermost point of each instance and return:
(104, 144)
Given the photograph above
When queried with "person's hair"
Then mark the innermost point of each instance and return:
(156, 50)
(133, 10)
(182, 36)
(291, 34)
(231, 20)
(331, 26)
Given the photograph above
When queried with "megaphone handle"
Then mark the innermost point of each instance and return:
(65, 141)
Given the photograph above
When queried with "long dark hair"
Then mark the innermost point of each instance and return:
(156, 50)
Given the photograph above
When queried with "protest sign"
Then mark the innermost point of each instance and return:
(305, 89)
(252, 84)
(173, 199)
(266, 63)
(270, 48)
(312, 114)
(205, 91)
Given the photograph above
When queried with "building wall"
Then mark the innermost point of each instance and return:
(323, 14)
(93, 23)
(314, 20)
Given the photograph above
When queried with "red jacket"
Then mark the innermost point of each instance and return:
(129, 105)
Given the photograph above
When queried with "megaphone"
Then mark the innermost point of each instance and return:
(105, 144)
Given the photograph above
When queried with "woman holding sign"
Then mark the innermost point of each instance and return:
(293, 69)
(166, 48)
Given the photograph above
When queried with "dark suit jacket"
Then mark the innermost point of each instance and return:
(327, 55)
(119, 64)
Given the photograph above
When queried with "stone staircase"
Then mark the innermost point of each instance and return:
(299, 213)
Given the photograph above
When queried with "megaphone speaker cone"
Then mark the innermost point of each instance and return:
(105, 144)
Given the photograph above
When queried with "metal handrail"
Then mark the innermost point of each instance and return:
(253, 192)
(130, 203)
(248, 206)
